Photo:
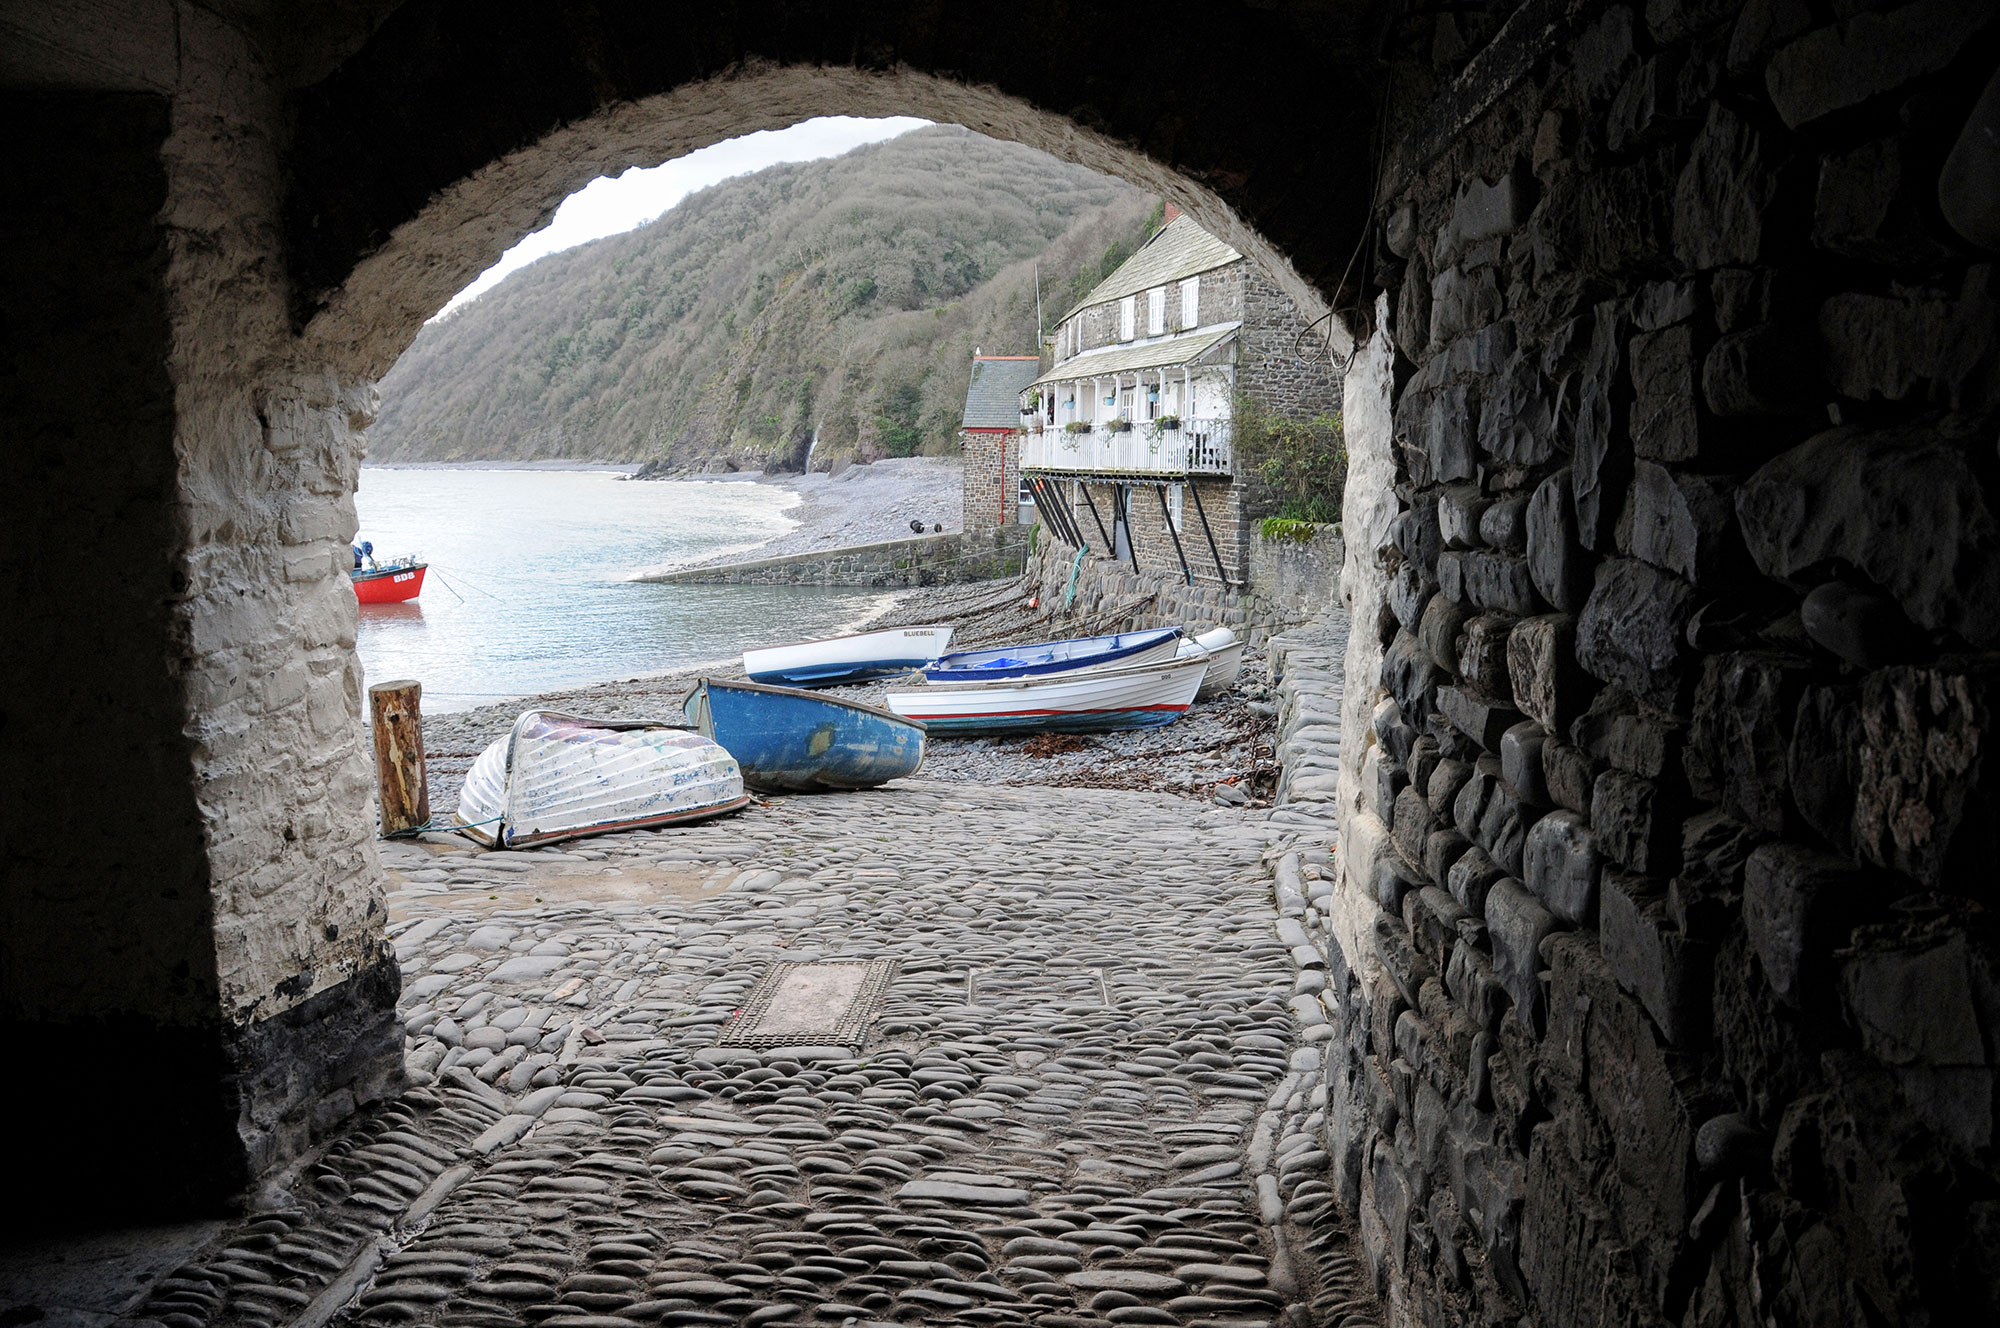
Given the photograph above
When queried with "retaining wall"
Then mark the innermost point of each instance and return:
(1290, 583)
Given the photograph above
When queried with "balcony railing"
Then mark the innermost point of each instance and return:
(1197, 447)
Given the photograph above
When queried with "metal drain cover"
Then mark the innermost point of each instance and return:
(803, 1005)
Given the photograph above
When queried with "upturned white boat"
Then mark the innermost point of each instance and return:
(1084, 701)
(559, 776)
(1224, 651)
(854, 658)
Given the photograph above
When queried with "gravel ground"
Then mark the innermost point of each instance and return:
(1225, 743)
(860, 505)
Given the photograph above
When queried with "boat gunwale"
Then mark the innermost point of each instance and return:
(1163, 633)
(377, 573)
(746, 685)
(1067, 676)
(619, 827)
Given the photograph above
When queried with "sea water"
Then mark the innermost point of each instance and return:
(530, 586)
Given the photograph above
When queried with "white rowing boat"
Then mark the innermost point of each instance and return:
(853, 658)
(559, 776)
(1087, 652)
(1224, 651)
(1084, 701)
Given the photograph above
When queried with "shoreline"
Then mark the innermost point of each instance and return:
(1227, 740)
(857, 504)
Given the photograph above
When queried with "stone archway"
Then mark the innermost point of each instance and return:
(319, 190)
(1659, 300)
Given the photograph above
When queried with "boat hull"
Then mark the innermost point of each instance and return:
(562, 776)
(1045, 657)
(1225, 660)
(795, 742)
(1083, 701)
(389, 585)
(843, 659)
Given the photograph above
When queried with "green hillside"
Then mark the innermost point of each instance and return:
(844, 296)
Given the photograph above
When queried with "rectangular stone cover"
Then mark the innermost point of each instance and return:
(825, 1004)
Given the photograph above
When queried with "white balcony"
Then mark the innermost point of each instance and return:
(1197, 447)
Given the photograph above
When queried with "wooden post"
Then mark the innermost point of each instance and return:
(396, 712)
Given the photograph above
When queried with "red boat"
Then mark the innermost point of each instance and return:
(388, 585)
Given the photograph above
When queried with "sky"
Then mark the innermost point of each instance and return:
(611, 204)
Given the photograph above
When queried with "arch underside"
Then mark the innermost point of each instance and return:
(451, 134)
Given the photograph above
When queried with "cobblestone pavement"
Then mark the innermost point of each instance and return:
(1088, 1098)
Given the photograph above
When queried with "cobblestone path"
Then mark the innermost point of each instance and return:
(1086, 1099)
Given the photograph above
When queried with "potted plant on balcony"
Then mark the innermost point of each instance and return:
(1169, 423)
(1077, 426)
(1120, 426)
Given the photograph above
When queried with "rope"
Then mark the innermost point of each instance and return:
(432, 824)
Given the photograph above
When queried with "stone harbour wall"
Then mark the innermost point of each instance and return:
(924, 560)
(1299, 569)
(1665, 965)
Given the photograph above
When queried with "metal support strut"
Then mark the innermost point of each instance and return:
(1195, 492)
(1054, 513)
(1110, 545)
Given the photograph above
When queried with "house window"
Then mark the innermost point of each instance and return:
(1191, 302)
(1174, 505)
(1128, 315)
(1156, 311)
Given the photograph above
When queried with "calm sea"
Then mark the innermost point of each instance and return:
(529, 587)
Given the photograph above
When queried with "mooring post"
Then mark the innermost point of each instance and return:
(396, 712)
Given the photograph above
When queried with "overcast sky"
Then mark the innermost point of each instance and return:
(611, 204)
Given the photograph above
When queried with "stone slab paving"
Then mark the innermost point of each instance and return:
(1088, 1097)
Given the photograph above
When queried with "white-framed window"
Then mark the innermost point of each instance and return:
(1191, 302)
(1174, 505)
(1128, 317)
(1156, 311)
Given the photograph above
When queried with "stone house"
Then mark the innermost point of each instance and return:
(1129, 430)
(990, 434)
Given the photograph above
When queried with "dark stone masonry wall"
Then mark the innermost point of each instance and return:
(1282, 360)
(1673, 993)
(992, 465)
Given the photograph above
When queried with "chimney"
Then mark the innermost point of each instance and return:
(1172, 213)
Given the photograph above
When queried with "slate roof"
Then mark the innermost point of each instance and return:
(1124, 358)
(1180, 249)
(993, 398)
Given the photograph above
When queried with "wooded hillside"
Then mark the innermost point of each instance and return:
(844, 295)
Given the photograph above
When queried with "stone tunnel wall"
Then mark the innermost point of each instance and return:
(192, 925)
(1672, 996)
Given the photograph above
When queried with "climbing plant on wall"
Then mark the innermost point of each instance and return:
(1301, 462)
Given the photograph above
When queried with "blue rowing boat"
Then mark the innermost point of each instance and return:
(1084, 652)
(798, 742)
